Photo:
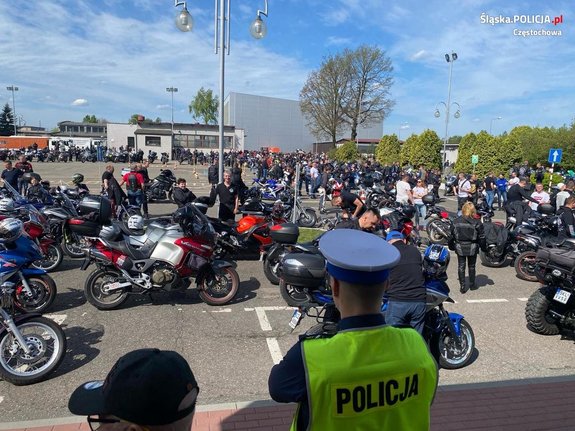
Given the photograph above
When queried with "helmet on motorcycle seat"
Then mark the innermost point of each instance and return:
(77, 178)
(546, 209)
(110, 232)
(435, 260)
(10, 229)
(6, 205)
(136, 222)
(408, 211)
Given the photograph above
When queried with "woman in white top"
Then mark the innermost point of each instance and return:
(419, 191)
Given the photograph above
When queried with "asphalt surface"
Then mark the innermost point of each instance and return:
(232, 348)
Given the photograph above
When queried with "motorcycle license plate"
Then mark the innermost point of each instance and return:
(295, 319)
(562, 296)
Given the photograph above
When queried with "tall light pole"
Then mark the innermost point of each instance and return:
(172, 90)
(491, 123)
(13, 88)
(450, 58)
(258, 30)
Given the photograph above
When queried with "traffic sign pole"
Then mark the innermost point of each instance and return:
(551, 177)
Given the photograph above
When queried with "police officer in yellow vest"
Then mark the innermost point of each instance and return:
(368, 376)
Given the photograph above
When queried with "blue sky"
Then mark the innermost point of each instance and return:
(114, 58)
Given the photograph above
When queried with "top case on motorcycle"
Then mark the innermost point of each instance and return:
(557, 256)
(303, 270)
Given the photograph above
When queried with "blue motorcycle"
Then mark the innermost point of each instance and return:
(34, 290)
(303, 284)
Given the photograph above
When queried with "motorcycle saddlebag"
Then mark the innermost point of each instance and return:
(303, 270)
(83, 227)
(96, 204)
(557, 257)
(285, 233)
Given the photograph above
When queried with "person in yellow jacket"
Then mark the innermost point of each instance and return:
(368, 376)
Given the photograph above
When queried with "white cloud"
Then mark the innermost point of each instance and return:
(80, 102)
(419, 54)
(337, 41)
(163, 107)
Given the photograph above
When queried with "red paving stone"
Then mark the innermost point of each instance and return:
(517, 406)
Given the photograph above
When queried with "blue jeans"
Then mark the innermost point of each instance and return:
(136, 198)
(502, 197)
(410, 313)
(420, 213)
(489, 198)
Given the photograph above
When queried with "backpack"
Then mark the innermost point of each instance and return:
(132, 183)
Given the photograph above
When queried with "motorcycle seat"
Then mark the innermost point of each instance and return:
(133, 253)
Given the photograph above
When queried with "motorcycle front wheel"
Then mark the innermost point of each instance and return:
(446, 351)
(47, 343)
(96, 291)
(525, 265)
(307, 218)
(51, 259)
(221, 288)
(41, 296)
(492, 261)
(434, 231)
(537, 312)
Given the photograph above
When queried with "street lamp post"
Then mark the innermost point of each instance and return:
(491, 123)
(13, 88)
(450, 58)
(258, 30)
(172, 90)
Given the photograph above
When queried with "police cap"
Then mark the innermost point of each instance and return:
(357, 257)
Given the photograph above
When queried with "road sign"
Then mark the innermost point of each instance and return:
(555, 155)
(474, 159)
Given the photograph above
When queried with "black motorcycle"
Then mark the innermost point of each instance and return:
(162, 186)
(450, 181)
(164, 158)
(152, 157)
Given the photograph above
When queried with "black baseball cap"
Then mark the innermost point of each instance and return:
(145, 387)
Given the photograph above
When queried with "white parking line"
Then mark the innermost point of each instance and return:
(263, 319)
(474, 301)
(1, 399)
(58, 318)
(274, 349)
(523, 299)
(270, 308)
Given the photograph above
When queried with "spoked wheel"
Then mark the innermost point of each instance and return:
(40, 296)
(292, 295)
(51, 260)
(448, 353)
(220, 288)
(525, 265)
(307, 218)
(101, 289)
(73, 246)
(47, 344)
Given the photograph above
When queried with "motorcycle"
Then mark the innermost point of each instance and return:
(166, 258)
(439, 225)
(551, 308)
(152, 157)
(450, 181)
(161, 186)
(450, 337)
(164, 158)
(31, 346)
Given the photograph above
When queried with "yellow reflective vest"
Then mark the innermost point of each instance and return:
(376, 378)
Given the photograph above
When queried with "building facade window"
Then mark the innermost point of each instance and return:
(201, 142)
(153, 141)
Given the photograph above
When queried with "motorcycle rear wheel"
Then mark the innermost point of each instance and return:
(93, 289)
(293, 296)
(491, 262)
(73, 247)
(215, 292)
(434, 234)
(51, 260)
(40, 299)
(525, 265)
(307, 218)
(445, 349)
(537, 312)
(270, 271)
(48, 343)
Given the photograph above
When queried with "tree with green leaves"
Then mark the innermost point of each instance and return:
(321, 99)
(427, 150)
(406, 153)
(388, 149)
(204, 106)
(347, 152)
(90, 119)
(467, 147)
(6, 121)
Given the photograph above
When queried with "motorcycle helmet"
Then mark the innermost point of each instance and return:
(136, 222)
(435, 260)
(77, 178)
(6, 205)
(110, 232)
(408, 211)
(10, 229)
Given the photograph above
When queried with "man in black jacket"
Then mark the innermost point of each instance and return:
(406, 292)
(229, 200)
(182, 195)
(516, 205)
(213, 173)
(567, 219)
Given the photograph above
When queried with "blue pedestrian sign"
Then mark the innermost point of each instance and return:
(555, 155)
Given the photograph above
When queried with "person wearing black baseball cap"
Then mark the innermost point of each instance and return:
(147, 389)
(368, 376)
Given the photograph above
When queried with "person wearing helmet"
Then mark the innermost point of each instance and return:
(81, 188)
(406, 293)
(36, 192)
(182, 195)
